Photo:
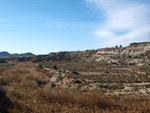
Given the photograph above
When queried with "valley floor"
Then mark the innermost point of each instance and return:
(57, 87)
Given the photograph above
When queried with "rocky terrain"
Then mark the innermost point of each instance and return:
(114, 80)
(119, 71)
(134, 54)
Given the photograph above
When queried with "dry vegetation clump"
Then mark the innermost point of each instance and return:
(139, 103)
(4, 101)
(95, 102)
(90, 100)
(24, 75)
(29, 84)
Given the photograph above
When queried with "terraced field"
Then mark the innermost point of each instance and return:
(100, 77)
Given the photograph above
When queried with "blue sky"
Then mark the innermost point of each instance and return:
(44, 26)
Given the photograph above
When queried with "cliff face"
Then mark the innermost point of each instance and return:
(134, 54)
(72, 56)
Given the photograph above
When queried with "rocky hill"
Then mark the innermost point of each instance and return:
(134, 54)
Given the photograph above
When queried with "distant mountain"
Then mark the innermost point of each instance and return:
(5, 54)
(21, 55)
(27, 54)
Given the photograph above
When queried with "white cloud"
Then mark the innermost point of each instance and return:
(121, 15)
(137, 35)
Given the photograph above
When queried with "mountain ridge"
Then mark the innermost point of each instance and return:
(5, 54)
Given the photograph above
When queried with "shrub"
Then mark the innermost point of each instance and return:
(40, 66)
(77, 82)
(3, 61)
(55, 67)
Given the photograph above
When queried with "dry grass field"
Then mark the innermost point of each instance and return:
(27, 90)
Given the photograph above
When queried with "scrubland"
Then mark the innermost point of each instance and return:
(25, 89)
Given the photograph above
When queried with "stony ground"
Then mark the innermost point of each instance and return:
(93, 76)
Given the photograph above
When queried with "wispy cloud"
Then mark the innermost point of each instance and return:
(126, 22)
